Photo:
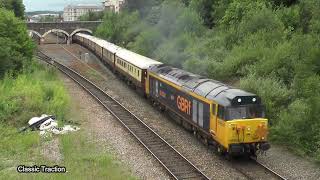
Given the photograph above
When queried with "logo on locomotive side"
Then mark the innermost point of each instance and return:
(184, 105)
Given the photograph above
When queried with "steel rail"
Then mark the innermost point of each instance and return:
(268, 168)
(174, 162)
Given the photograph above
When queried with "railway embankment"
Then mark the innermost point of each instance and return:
(29, 89)
(36, 91)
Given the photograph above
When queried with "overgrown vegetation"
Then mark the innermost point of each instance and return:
(32, 93)
(267, 47)
(16, 48)
(92, 16)
(82, 158)
(29, 89)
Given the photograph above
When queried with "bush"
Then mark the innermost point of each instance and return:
(146, 42)
(16, 48)
(30, 94)
(115, 26)
(274, 94)
(297, 127)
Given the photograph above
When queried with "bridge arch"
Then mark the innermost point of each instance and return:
(80, 30)
(32, 32)
(56, 30)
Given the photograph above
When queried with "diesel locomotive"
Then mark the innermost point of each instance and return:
(230, 119)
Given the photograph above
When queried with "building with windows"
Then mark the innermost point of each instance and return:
(113, 5)
(73, 12)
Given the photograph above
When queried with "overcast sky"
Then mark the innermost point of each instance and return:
(54, 5)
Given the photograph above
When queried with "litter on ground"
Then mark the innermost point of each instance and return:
(48, 124)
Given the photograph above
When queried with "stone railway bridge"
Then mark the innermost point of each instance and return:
(41, 30)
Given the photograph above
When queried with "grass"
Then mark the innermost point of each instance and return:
(36, 91)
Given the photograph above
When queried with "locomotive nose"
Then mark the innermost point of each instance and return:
(261, 132)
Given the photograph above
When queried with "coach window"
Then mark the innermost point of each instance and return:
(221, 113)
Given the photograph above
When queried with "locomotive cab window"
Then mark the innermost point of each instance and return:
(245, 112)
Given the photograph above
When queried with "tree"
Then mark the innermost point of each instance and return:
(284, 2)
(14, 5)
(16, 48)
(92, 16)
(205, 9)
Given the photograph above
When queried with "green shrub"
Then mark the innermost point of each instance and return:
(146, 42)
(114, 26)
(274, 94)
(16, 48)
(31, 94)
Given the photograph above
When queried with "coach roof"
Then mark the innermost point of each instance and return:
(138, 60)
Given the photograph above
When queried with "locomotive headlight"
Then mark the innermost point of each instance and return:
(262, 138)
(254, 99)
(249, 129)
(239, 100)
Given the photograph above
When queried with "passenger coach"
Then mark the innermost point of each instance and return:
(133, 67)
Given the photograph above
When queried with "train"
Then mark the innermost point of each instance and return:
(229, 119)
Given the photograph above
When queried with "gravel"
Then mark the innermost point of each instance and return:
(107, 132)
(278, 159)
(289, 165)
(51, 151)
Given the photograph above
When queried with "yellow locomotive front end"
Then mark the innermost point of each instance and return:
(247, 136)
(242, 127)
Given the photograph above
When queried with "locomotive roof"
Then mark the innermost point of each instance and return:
(136, 59)
(214, 90)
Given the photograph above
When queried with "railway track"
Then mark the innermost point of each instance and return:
(253, 169)
(175, 163)
(268, 169)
